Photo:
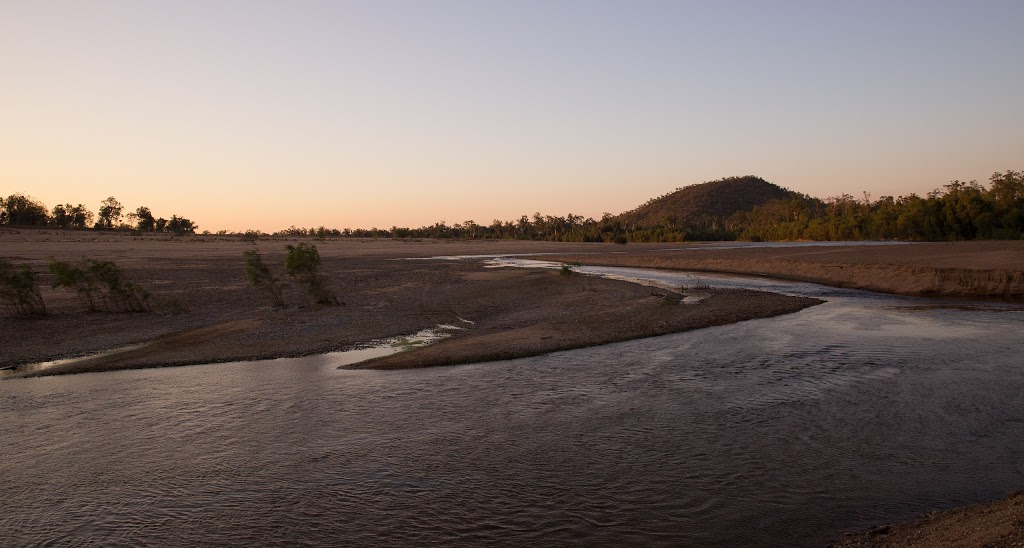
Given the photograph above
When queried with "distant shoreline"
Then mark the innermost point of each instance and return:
(963, 270)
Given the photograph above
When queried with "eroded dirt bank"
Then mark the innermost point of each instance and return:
(979, 270)
(998, 523)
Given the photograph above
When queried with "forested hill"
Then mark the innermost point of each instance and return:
(704, 208)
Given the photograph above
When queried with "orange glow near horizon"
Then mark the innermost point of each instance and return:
(243, 116)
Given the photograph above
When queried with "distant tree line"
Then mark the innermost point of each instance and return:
(571, 228)
(21, 210)
(957, 211)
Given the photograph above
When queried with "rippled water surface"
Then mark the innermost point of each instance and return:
(783, 431)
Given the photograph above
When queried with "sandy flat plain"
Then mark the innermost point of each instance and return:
(206, 311)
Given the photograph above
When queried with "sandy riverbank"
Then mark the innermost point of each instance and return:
(994, 524)
(513, 312)
(974, 270)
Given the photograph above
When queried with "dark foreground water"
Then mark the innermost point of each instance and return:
(783, 431)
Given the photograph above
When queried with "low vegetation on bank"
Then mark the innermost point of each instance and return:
(100, 285)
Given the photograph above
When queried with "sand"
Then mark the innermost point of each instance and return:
(991, 270)
(996, 524)
(503, 313)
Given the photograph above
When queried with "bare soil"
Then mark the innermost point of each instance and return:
(975, 270)
(995, 524)
(205, 310)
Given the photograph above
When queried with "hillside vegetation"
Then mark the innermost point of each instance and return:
(702, 210)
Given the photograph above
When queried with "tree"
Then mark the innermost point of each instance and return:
(74, 217)
(143, 219)
(109, 213)
(179, 226)
(78, 279)
(100, 282)
(19, 209)
(261, 277)
(19, 290)
(302, 263)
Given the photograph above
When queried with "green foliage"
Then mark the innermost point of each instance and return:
(302, 263)
(261, 277)
(19, 290)
(957, 211)
(100, 283)
(567, 270)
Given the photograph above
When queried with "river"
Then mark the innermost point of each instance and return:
(782, 431)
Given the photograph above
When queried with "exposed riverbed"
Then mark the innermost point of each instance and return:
(786, 430)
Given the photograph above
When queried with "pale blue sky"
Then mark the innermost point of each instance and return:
(357, 114)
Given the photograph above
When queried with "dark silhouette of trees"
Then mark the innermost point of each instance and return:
(109, 214)
(179, 226)
(143, 219)
(18, 209)
(68, 216)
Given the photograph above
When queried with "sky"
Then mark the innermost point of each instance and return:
(264, 114)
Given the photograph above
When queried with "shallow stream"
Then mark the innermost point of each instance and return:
(782, 431)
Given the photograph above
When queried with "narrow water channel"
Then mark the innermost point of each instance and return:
(782, 431)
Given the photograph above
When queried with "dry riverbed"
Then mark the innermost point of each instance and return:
(207, 312)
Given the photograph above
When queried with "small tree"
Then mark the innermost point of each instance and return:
(67, 275)
(120, 293)
(143, 219)
(100, 282)
(19, 290)
(19, 209)
(109, 213)
(261, 277)
(179, 226)
(69, 216)
(302, 262)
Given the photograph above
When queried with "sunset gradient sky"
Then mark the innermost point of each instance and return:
(263, 114)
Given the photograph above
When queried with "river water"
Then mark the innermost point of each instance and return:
(782, 431)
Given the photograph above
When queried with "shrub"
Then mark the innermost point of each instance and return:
(261, 277)
(302, 262)
(100, 282)
(19, 290)
(69, 276)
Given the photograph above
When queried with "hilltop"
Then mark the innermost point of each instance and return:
(705, 206)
